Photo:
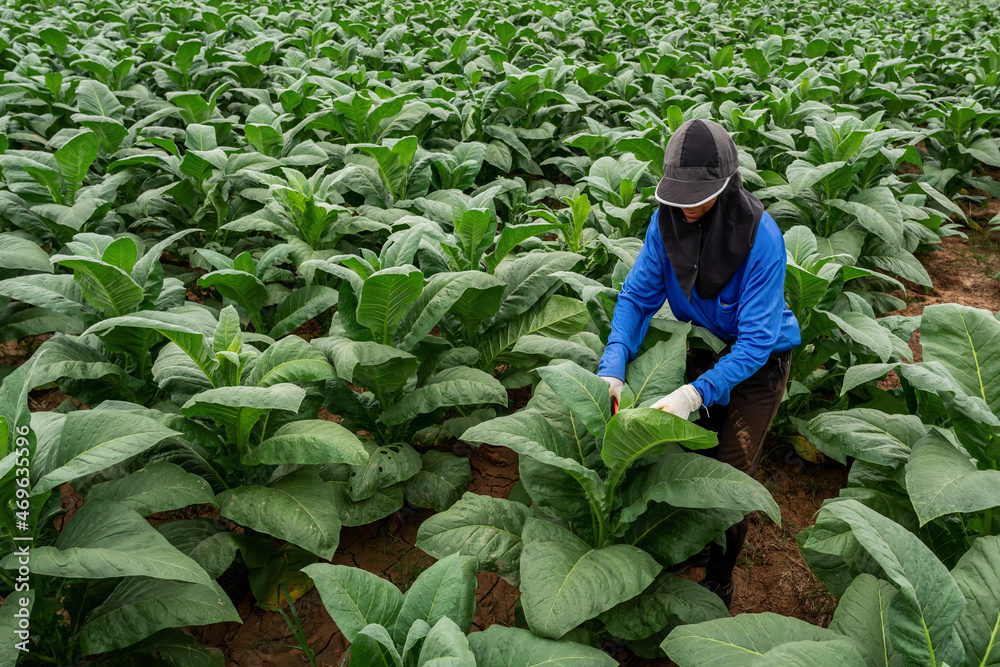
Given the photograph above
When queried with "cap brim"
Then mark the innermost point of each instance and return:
(686, 194)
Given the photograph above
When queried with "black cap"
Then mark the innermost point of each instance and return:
(698, 162)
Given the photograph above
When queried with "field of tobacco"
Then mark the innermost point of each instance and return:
(271, 272)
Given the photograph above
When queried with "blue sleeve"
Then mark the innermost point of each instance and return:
(758, 316)
(642, 294)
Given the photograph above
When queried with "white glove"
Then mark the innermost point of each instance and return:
(681, 402)
(614, 387)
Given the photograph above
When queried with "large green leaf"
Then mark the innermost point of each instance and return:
(978, 576)
(834, 653)
(18, 322)
(513, 235)
(148, 271)
(942, 480)
(300, 306)
(659, 370)
(585, 394)
(374, 646)
(241, 287)
(876, 210)
(565, 582)
(745, 640)
(486, 528)
(140, 606)
(309, 441)
(442, 479)
(560, 317)
(800, 244)
(966, 341)
(380, 368)
(178, 328)
(386, 466)
(442, 292)
(672, 534)
(573, 439)
(107, 539)
(178, 649)
(689, 479)
(632, 434)
(212, 545)
(291, 359)
(922, 616)
(355, 598)
(863, 615)
(297, 508)
(106, 287)
(529, 278)
(864, 331)
(803, 290)
(555, 489)
(446, 588)
(446, 646)
(9, 651)
(239, 408)
(528, 433)
(59, 293)
(96, 99)
(385, 501)
(459, 385)
(498, 646)
(668, 600)
(122, 252)
(18, 253)
(74, 159)
(158, 487)
(866, 434)
(935, 378)
(385, 298)
(92, 440)
(555, 348)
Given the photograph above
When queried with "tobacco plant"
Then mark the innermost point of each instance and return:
(614, 499)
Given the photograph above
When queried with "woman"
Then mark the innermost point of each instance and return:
(718, 259)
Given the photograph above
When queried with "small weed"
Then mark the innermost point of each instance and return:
(752, 553)
(292, 620)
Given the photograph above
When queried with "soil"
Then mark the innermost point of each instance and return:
(16, 352)
(309, 330)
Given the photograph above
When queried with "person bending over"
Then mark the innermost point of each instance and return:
(718, 260)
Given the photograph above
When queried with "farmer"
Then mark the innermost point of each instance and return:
(718, 260)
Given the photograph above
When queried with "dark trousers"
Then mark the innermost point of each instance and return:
(741, 425)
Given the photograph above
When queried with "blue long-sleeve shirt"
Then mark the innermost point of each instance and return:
(750, 311)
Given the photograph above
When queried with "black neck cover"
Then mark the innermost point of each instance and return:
(706, 253)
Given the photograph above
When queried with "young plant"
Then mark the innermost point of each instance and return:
(429, 625)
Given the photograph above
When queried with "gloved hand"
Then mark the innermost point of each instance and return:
(614, 387)
(681, 402)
